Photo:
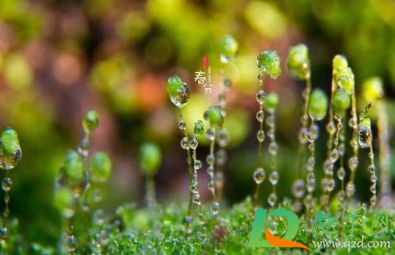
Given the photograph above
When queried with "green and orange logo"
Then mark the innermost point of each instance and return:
(272, 240)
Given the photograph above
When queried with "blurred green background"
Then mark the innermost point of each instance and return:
(59, 59)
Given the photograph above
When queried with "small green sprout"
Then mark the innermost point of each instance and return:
(318, 105)
(339, 61)
(372, 89)
(150, 158)
(178, 91)
(199, 128)
(91, 122)
(298, 62)
(63, 199)
(101, 167)
(73, 166)
(229, 49)
(269, 62)
(271, 102)
(341, 102)
(10, 149)
(214, 116)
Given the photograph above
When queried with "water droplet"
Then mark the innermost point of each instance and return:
(71, 243)
(341, 173)
(98, 217)
(196, 199)
(188, 219)
(260, 136)
(272, 199)
(274, 177)
(182, 125)
(328, 167)
(373, 178)
(260, 116)
(3, 232)
(193, 144)
(180, 97)
(371, 169)
(310, 164)
(210, 159)
(259, 175)
(373, 189)
(201, 219)
(198, 164)
(185, 143)
(214, 208)
(331, 128)
(353, 123)
(223, 138)
(260, 97)
(303, 135)
(298, 188)
(273, 148)
(365, 136)
(210, 170)
(334, 155)
(83, 147)
(6, 184)
(210, 134)
(330, 185)
(221, 157)
(350, 189)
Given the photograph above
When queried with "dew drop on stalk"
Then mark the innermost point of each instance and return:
(201, 219)
(193, 143)
(214, 208)
(229, 49)
(331, 128)
(260, 97)
(272, 199)
(260, 136)
(210, 134)
(334, 155)
(365, 134)
(6, 184)
(182, 125)
(71, 243)
(274, 177)
(197, 164)
(260, 115)
(196, 199)
(259, 175)
(223, 138)
(298, 188)
(221, 157)
(341, 173)
(273, 148)
(184, 143)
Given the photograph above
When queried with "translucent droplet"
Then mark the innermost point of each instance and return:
(210, 134)
(196, 199)
(214, 208)
(331, 128)
(341, 173)
(193, 143)
(198, 164)
(310, 164)
(221, 157)
(274, 177)
(298, 188)
(353, 163)
(259, 175)
(260, 136)
(373, 178)
(371, 169)
(99, 217)
(210, 159)
(334, 155)
(272, 199)
(273, 149)
(83, 147)
(365, 136)
(210, 170)
(180, 97)
(185, 143)
(201, 219)
(314, 132)
(182, 125)
(227, 84)
(373, 189)
(350, 189)
(260, 116)
(341, 195)
(223, 138)
(260, 97)
(303, 135)
(353, 123)
(71, 243)
(6, 184)
(330, 185)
